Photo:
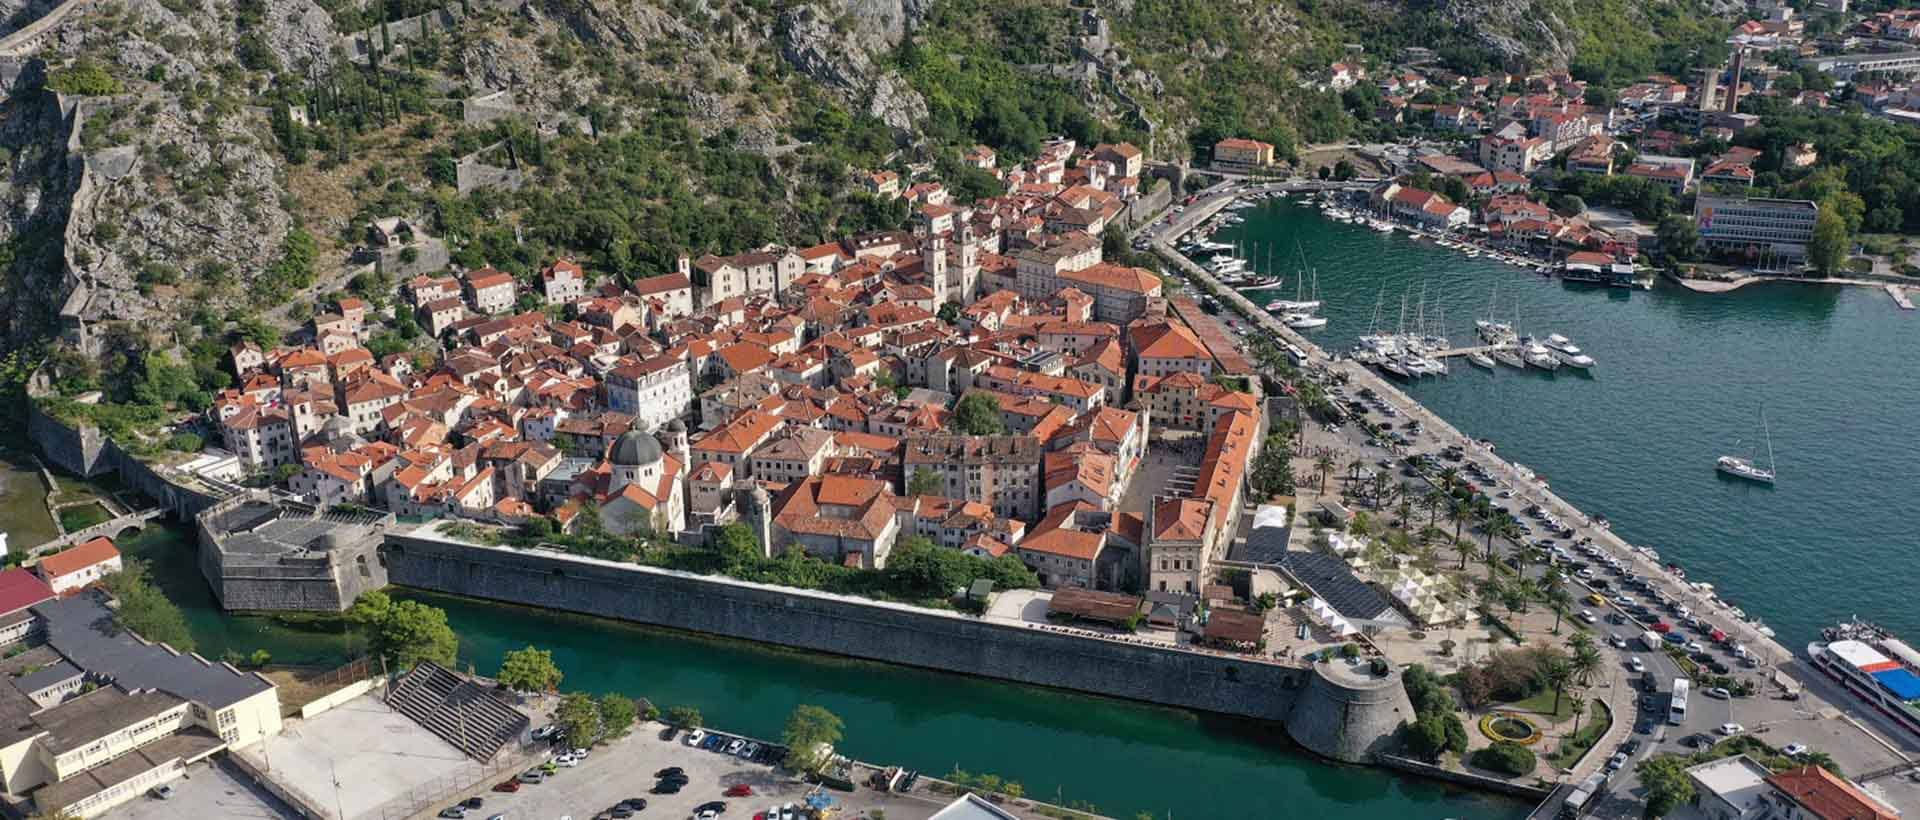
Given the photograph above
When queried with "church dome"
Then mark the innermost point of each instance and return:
(634, 448)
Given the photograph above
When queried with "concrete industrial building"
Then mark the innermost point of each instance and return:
(1773, 231)
(260, 552)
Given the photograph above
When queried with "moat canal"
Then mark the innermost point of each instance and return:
(1125, 758)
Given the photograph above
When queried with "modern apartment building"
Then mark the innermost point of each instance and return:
(1772, 231)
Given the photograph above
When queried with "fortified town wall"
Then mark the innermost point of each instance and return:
(1331, 712)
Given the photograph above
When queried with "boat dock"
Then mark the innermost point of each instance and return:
(1467, 351)
(1900, 296)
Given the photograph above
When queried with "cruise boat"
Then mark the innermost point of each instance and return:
(1873, 666)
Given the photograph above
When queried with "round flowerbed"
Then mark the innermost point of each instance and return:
(1506, 728)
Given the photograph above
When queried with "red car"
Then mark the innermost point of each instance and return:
(1663, 627)
(740, 790)
(507, 786)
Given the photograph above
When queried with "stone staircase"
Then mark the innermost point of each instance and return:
(465, 714)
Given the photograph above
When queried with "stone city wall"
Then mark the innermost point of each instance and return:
(835, 624)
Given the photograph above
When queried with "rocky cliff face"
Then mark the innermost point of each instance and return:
(833, 43)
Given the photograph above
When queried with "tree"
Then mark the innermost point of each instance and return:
(1579, 704)
(978, 414)
(1324, 466)
(405, 632)
(1558, 673)
(529, 670)
(1273, 469)
(810, 734)
(1427, 737)
(617, 713)
(1679, 239)
(924, 482)
(1667, 783)
(1827, 251)
(949, 313)
(685, 717)
(144, 610)
(737, 545)
(579, 719)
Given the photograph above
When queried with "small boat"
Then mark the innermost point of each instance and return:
(1538, 355)
(1480, 360)
(1506, 356)
(1741, 467)
(1304, 321)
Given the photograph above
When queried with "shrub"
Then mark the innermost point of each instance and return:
(1510, 759)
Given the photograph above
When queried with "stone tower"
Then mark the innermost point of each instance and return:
(1348, 713)
(966, 277)
(933, 259)
(674, 435)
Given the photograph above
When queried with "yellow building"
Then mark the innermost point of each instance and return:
(1237, 153)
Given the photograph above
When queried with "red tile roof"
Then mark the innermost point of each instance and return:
(73, 560)
(20, 589)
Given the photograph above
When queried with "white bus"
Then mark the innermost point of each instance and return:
(1677, 711)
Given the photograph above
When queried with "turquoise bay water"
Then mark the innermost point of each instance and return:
(1123, 757)
(1681, 379)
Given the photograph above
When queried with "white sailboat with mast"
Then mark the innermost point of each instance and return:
(1742, 467)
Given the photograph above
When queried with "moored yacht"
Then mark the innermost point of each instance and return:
(1481, 360)
(1538, 355)
(1304, 321)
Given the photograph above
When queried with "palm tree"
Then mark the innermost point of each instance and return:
(1353, 467)
(1558, 674)
(1434, 501)
(1579, 704)
(1323, 465)
(1559, 598)
(1380, 482)
(1586, 661)
(1460, 512)
(1448, 477)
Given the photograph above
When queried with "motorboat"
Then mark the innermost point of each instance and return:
(1539, 356)
(1507, 356)
(1567, 352)
(1303, 321)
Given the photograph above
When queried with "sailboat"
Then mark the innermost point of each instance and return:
(1299, 303)
(1740, 467)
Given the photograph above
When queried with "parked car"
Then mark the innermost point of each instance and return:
(1630, 747)
(667, 787)
(739, 790)
(1794, 749)
(1587, 616)
(750, 750)
(1717, 692)
(1636, 664)
(161, 792)
(472, 804)
(508, 786)
(1731, 729)
(695, 737)
(452, 813)
(1617, 641)
(735, 745)
(1618, 760)
(669, 771)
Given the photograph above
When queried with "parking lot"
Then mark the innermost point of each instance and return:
(625, 769)
(208, 791)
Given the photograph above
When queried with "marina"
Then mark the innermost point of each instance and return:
(1709, 359)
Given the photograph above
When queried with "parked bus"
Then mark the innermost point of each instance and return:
(1677, 711)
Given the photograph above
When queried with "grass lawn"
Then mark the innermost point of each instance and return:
(74, 519)
(1591, 730)
(1542, 704)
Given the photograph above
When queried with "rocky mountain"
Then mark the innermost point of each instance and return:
(190, 139)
